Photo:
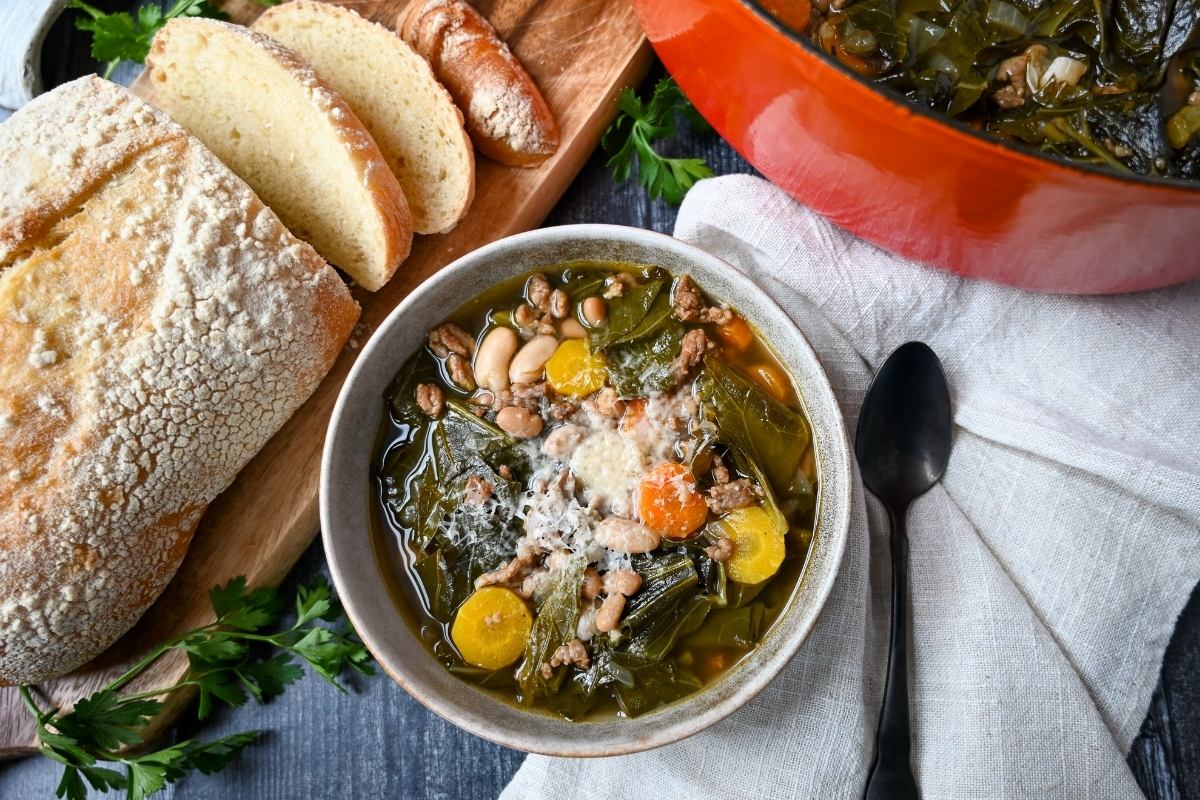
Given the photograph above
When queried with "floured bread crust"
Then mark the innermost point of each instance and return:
(506, 115)
(157, 325)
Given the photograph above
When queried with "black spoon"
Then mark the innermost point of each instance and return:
(902, 445)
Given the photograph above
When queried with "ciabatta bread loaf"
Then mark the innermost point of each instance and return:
(394, 93)
(158, 324)
(507, 117)
(262, 109)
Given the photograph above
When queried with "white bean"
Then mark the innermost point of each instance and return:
(519, 422)
(595, 311)
(622, 581)
(571, 329)
(609, 616)
(529, 362)
(492, 358)
(591, 584)
(626, 536)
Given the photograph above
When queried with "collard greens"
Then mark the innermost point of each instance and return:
(1128, 109)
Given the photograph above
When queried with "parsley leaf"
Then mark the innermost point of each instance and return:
(246, 610)
(148, 774)
(121, 36)
(266, 679)
(314, 603)
(106, 721)
(225, 663)
(632, 136)
(212, 683)
(209, 758)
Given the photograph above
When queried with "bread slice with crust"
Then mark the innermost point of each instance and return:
(159, 325)
(262, 109)
(393, 91)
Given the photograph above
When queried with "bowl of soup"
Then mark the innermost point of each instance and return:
(1050, 146)
(585, 491)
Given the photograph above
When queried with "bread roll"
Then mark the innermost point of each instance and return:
(159, 324)
(507, 117)
(262, 109)
(393, 92)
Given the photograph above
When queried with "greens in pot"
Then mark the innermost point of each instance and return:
(1113, 83)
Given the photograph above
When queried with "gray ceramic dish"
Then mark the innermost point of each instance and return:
(346, 507)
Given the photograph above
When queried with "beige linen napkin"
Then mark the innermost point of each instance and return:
(1047, 571)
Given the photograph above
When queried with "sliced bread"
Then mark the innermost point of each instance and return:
(393, 91)
(262, 109)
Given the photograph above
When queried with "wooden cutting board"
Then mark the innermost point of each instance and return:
(580, 53)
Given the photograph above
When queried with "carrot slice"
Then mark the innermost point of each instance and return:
(575, 370)
(859, 65)
(668, 502)
(758, 544)
(491, 627)
(735, 333)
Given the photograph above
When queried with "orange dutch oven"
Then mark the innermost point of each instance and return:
(914, 182)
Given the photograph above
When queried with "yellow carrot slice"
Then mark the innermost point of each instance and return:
(576, 370)
(758, 544)
(491, 627)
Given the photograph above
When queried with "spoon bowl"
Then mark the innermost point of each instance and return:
(903, 439)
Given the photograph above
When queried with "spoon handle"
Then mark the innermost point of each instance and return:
(891, 776)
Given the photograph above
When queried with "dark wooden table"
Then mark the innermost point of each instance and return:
(377, 742)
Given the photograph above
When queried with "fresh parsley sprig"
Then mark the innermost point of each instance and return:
(225, 663)
(121, 36)
(632, 135)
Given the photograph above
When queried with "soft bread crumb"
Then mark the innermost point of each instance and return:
(393, 91)
(262, 109)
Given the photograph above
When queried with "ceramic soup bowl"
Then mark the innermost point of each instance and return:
(347, 505)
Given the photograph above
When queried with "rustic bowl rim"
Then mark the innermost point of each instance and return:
(345, 512)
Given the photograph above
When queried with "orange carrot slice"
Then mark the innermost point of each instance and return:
(668, 502)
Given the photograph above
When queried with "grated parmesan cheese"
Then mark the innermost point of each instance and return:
(609, 466)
